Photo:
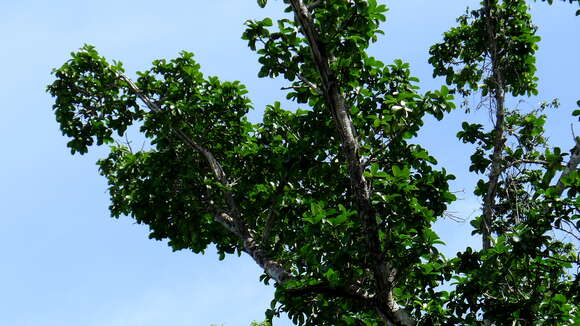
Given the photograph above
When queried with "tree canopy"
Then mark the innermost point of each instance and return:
(336, 202)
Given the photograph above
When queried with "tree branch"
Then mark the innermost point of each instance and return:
(571, 166)
(336, 103)
(314, 4)
(233, 221)
(526, 161)
(353, 293)
(303, 79)
(310, 84)
(499, 139)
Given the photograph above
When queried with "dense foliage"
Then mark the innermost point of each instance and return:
(336, 203)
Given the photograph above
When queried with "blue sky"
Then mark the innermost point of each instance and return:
(63, 261)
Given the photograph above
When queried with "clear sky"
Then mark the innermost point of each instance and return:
(63, 261)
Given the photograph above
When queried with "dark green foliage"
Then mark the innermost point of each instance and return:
(461, 58)
(526, 276)
(91, 101)
(285, 190)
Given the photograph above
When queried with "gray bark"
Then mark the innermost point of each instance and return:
(499, 138)
(388, 308)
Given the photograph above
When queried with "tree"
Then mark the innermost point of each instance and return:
(336, 203)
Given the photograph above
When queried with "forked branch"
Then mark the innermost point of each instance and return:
(234, 221)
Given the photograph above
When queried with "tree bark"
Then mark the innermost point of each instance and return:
(388, 308)
(498, 131)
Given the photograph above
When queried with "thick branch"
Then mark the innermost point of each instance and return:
(227, 222)
(336, 103)
(499, 139)
(273, 268)
(233, 221)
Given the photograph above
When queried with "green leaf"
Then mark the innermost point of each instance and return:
(400, 173)
(267, 21)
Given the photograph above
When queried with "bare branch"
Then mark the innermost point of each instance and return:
(294, 87)
(570, 233)
(525, 161)
(571, 261)
(309, 83)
